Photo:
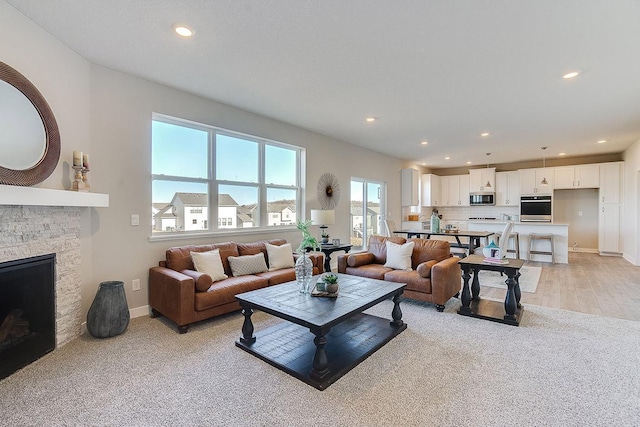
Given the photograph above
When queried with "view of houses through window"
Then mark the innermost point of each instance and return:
(252, 182)
(367, 210)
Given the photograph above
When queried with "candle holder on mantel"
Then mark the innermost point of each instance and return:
(78, 181)
(85, 179)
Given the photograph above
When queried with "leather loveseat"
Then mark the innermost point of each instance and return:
(435, 275)
(185, 296)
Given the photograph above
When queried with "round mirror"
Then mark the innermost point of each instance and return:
(29, 136)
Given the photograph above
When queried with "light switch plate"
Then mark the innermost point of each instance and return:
(135, 219)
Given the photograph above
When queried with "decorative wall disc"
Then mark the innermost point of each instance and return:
(328, 191)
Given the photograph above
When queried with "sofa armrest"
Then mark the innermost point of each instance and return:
(172, 294)
(446, 279)
(202, 280)
(424, 268)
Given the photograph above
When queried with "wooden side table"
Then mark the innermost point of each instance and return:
(473, 306)
(327, 249)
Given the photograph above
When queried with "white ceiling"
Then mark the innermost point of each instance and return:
(442, 71)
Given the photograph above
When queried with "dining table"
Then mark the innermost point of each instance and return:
(474, 237)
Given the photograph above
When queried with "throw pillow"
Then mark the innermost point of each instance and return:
(280, 256)
(209, 263)
(247, 264)
(399, 256)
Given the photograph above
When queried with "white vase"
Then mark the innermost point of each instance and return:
(304, 271)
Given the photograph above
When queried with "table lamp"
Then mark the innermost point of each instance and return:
(323, 218)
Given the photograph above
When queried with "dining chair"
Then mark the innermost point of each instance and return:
(390, 226)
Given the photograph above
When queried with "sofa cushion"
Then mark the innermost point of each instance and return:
(280, 256)
(224, 291)
(358, 259)
(279, 276)
(247, 264)
(413, 280)
(179, 258)
(399, 256)
(209, 263)
(372, 271)
(378, 247)
(427, 250)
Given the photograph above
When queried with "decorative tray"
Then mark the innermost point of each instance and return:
(316, 293)
(453, 230)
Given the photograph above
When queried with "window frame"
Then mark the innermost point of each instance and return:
(213, 184)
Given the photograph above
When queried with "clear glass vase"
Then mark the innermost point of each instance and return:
(304, 271)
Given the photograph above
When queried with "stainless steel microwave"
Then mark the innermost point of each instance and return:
(482, 198)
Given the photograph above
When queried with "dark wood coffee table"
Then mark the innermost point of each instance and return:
(323, 338)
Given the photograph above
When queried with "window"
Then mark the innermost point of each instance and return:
(367, 210)
(247, 181)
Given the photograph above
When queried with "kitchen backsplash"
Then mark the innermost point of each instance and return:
(462, 213)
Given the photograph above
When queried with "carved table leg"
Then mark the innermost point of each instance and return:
(247, 326)
(320, 362)
(517, 289)
(475, 285)
(510, 302)
(466, 293)
(396, 313)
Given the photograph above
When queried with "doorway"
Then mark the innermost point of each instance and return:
(367, 208)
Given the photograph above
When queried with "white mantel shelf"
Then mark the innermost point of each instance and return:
(35, 196)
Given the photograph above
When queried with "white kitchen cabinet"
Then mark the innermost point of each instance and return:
(610, 182)
(430, 190)
(478, 179)
(530, 180)
(610, 208)
(571, 177)
(455, 190)
(508, 188)
(609, 230)
(409, 187)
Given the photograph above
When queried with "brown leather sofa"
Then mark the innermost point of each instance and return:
(185, 296)
(435, 276)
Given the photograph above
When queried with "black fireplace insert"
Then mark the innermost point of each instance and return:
(27, 311)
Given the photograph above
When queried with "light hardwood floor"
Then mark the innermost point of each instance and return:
(590, 283)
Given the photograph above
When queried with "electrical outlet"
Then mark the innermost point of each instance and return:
(135, 219)
(135, 285)
(579, 213)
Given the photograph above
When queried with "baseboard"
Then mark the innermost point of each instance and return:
(584, 250)
(139, 311)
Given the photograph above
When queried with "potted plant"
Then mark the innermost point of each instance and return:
(325, 236)
(330, 283)
(304, 266)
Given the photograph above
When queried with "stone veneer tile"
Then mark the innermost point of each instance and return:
(27, 231)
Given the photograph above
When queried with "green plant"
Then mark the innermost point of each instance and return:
(308, 241)
(330, 279)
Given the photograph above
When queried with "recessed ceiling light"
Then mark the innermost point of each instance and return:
(602, 141)
(484, 134)
(562, 154)
(371, 119)
(424, 142)
(571, 75)
(447, 158)
(468, 163)
(183, 31)
(423, 164)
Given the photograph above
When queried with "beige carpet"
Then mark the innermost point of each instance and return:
(529, 277)
(559, 368)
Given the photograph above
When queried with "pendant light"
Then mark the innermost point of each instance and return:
(544, 182)
(488, 184)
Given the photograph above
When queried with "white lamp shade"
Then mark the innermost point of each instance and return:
(323, 217)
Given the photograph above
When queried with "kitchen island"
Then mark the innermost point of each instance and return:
(559, 231)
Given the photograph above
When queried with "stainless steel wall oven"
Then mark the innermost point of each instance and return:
(535, 208)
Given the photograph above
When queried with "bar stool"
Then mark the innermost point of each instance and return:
(540, 236)
(516, 240)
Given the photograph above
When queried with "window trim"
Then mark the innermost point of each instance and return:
(213, 184)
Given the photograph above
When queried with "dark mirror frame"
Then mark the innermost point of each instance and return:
(47, 164)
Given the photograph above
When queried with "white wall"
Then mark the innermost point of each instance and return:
(63, 78)
(631, 227)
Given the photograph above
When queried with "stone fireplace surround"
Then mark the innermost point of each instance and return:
(27, 231)
(38, 221)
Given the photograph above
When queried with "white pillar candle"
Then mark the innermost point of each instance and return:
(85, 161)
(77, 158)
